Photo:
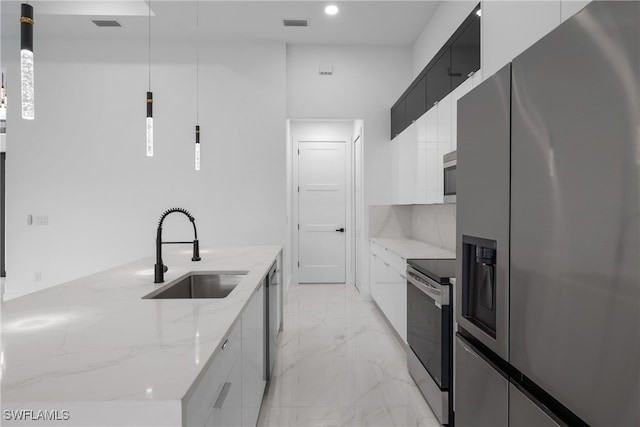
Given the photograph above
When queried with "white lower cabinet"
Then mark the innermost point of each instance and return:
(389, 287)
(215, 391)
(230, 391)
(227, 410)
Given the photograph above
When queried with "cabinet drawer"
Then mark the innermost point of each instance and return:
(199, 405)
(376, 249)
(395, 261)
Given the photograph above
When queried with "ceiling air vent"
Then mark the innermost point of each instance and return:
(295, 22)
(101, 23)
(325, 71)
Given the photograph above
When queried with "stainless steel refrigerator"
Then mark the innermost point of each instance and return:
(549, 231)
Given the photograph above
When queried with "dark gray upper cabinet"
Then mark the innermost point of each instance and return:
(398, 118)
(451, 66)
(465, 53)
(416, 104)
(438, 79)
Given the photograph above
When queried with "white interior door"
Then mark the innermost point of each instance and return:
(322, 212)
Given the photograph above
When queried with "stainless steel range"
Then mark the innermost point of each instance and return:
(429, 332)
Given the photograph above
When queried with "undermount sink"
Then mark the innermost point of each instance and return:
(200, 285)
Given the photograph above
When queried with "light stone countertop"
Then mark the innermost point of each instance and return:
(94, 347)
(413, 249)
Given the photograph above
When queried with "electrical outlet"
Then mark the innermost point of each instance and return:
(41, 220)
(38, 276)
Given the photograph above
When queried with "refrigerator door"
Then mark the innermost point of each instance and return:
(575, 209)
(523, 412)
(481, 391)
(483, 211)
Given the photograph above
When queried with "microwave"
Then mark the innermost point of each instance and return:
(450, 161)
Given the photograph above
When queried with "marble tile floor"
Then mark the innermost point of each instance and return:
(338, 364)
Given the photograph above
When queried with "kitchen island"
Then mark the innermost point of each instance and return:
(93, 352)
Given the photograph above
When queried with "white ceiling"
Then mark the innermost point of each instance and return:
(358, 22)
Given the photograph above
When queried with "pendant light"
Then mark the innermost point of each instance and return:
(197, 158)
(149, 98)
(26, 61)
(3, 95)
(197, 147)
(3, 108)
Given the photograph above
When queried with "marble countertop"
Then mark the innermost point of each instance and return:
(413, 249)
(96, 340)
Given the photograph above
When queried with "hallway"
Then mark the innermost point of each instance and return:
(338, 364)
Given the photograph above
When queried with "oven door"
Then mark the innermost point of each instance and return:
(429, 325)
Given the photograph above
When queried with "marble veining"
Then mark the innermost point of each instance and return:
(431, 224)
(435, 224)
(95, 341)
(390, 221)
(340, 365)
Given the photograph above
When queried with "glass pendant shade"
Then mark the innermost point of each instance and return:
(149, 124)
(197, 148)
(26, 62)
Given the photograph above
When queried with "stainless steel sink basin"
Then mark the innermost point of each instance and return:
(200, 285)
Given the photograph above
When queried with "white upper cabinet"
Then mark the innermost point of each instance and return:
(458, 93)
(406, 151)
(419, 149)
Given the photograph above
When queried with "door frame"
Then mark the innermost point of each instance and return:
(350, 225)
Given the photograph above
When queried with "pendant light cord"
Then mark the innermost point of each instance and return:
(197, 63)
(149, 26)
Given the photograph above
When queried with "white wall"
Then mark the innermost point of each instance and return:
(82, 161)
(366, 83)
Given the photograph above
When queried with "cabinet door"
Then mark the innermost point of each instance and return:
(407, 150)
(456, 94)
(416, 101)
(231, 407)
(227, 405)
(399, 303)
(465, 53)
(380, 271)
(438, 79)
(373, 259)
(429, 153)
(398, 118)
(253, 358)
(223, 384)
(422, 136)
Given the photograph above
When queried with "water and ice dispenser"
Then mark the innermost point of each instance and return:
(479, 282)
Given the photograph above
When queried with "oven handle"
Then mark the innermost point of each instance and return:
(430, 291)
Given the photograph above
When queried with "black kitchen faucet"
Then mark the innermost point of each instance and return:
(160, 268)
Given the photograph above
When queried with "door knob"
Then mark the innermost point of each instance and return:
(340, 230)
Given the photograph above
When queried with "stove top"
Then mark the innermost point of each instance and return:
(437, 269)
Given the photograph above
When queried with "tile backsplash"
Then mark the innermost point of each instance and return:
(434, 224)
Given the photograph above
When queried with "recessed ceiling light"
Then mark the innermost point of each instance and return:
(332, 9)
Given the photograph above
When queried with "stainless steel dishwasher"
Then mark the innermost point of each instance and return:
(272, 287)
